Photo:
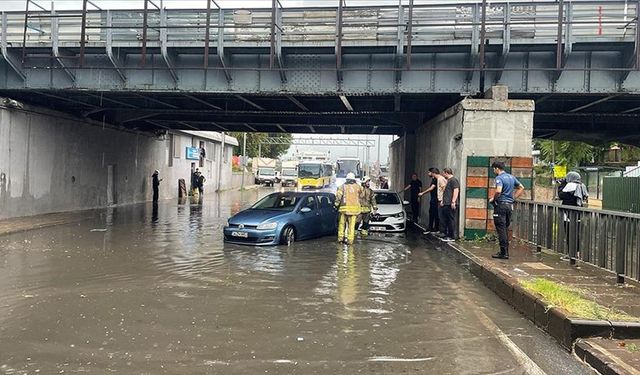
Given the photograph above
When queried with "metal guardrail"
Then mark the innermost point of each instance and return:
(607, 239)
(406, 27)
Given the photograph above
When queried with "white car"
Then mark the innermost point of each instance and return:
(391, 216)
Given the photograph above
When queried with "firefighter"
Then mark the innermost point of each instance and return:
(348, 205)
(368, 205)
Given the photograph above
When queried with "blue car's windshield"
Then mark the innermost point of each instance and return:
(282, 202)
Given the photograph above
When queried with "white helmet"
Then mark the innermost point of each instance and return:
(366, 179)
(351, 176)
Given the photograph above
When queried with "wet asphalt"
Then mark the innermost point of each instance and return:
(142, 291)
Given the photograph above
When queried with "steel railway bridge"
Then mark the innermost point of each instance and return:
(340, 68)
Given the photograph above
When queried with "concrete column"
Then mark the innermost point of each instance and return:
(491, 127)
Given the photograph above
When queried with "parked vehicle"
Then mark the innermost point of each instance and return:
(290, 173)
(282, 218)
(314, 174)
(391, 215)
(266, 171)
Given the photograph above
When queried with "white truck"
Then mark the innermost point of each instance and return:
(265, 169)
(289, 174)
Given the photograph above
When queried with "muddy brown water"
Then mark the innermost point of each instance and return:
(142, 291)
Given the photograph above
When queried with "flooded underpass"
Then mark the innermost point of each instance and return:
(137, 290)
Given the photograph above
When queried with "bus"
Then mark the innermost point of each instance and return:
(346, 165)
(314, 174)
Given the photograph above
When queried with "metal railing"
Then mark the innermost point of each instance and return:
(607, 239)
(406, 27)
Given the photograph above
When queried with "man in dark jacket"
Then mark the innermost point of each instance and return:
(201, 181)
(415, 187)
(156, 185)
(572, 192)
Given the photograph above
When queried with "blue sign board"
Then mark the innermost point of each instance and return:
(193, 153)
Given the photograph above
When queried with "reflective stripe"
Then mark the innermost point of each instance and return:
(349, 210)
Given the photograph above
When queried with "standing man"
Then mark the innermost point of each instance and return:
(156, 185)
(502, 201)
(383, 183)
(416, 186)
(348, 205)
(201, 181)
(434, 218)
(368, 204)
(194, 181)
(450, 205)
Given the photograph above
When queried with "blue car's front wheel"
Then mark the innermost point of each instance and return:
(288, 236)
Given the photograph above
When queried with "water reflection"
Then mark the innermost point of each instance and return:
(169, 295)
(154, 214)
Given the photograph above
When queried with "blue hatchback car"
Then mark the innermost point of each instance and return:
(282, 218)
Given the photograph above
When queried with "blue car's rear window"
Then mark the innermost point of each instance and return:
(283, 202)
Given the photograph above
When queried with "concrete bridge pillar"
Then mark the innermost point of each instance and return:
(467, 138)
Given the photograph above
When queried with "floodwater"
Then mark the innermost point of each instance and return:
(144, 291)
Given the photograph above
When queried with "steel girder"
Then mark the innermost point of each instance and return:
(313, 73)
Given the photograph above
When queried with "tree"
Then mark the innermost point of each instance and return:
(569, 153)
(574, 154)
(254, 140)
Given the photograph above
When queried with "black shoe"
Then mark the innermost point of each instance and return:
(500, 256)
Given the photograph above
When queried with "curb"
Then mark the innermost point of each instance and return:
(555, 322)
(597, 360)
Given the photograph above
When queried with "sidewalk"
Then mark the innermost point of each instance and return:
(616, 351)
(525, 263)
(21, 224)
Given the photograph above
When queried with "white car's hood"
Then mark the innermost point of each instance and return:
(389, 209)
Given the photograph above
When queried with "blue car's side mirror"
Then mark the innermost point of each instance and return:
(304, 210)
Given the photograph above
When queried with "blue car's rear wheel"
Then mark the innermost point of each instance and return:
(288, 236)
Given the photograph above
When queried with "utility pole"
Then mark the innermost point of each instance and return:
(244, 158)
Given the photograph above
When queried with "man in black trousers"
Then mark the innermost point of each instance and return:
(156, 185)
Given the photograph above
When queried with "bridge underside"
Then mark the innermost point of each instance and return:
(590, 118)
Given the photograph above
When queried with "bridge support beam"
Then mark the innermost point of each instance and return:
(55, 45)
(164, 50)
(4, 50)
(492, 127)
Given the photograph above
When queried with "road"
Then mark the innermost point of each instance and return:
(135, 291)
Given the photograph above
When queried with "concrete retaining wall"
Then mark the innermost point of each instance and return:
(52, 162)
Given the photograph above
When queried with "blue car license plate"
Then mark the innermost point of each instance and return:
(240, 234)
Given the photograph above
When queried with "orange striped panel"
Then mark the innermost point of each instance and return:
(477, 182)
(476, 213)
(522, 162)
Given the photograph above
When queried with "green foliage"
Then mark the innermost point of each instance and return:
(572, 301)
(630, 154)
(632, 348)
(543, 175)
(571, 154)
(575, 154)
(255, 139)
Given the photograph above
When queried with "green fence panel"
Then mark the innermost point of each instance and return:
(621, 194)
